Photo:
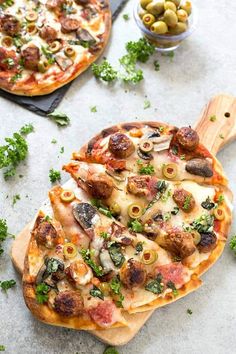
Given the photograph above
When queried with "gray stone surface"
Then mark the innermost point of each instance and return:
(203, 67)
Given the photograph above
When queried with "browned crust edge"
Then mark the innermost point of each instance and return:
(44, 89)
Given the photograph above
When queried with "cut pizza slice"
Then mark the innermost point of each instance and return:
(153, 149)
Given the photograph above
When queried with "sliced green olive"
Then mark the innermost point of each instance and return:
(43, 66)
(170, 5)
(196, 237)
(155, 7)
(148, 19)
(7, 41)
(182, 15)
(219, 214)
(69, 52)
(69, 250)
(115, 209)
(31, 16)
(67, 196)
(159, 27)
(187, 6)
(105, 288)
(135, 211)
(55, 47)
(144, 3)
(149, 256)
(31, 28)
(179, 28)
(170, 170)
(170, 18)
(146, 146)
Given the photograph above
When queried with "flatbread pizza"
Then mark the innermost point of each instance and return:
(47, 43)
(127, 237)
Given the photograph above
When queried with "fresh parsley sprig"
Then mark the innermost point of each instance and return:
(7, 284)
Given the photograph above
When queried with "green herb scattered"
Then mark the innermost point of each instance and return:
(135, 225)
(139, 247)
(93, 109)
(54, 175)
(115, 286)
(105, 211)
(60, 118)
(204, 223)
(15, 198)
(212, 118)
(4, 5)
(132, 75)
(104, 71)
(189, 311)
(169, 55)
(48, 55)
(221, 136)
(146, 170)
(175, 210)
(2, 348)
(7, 284)
(3, 233)
(156, 65)
(142, 49)
(171, 285)
(86, 254)
(9, 61)
(220, 199)
(126, 17)
(187, 202)
(54, 141)
(62, 150)
(27, 129)
(110, 350)
(13, 153)
(232, 244)
(96, 292)
(105, 235)
(165, 195)
(155, 286)
(167, 216)
(16, 77)
(147, 104)
(116, 255)
(42, 291)
(182, 157)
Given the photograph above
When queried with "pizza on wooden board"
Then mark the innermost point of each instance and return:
(147, 214)
(46, 44)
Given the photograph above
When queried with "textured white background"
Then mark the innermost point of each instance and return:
(204, 66)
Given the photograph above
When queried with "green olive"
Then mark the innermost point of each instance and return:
(144, 3)
(55, 47)
(141, 13)
(135, 211)
(43, 66)
(170, 18)
(196, 237)
(182, 15)
(7, 41)
(115, 209)
(179, 28)
(69, 52)
(159, 27)
(146, 146)
(187, 6)
(148, 19)
(219, 214)
(155, 7)
(176, 2)
(170, 170)
(31, 16)
(169, 5)
(149, 256)
(31, 28)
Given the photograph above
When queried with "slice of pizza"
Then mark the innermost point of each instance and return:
(46, 44)
(153, 149)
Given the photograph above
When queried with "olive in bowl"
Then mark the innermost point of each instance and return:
(165, 23)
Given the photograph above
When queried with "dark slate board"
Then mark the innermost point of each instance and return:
(43, 105)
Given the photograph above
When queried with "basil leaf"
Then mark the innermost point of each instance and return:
(154, 286)
(60, 118)
(96, 292)
(208, 204)
(116, 255)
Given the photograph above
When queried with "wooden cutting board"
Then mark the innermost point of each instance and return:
(214, 134)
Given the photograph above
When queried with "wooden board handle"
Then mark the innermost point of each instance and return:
(217, 123)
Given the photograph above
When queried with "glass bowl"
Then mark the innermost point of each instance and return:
(165, 42)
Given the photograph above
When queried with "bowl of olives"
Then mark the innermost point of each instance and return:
(165, 23)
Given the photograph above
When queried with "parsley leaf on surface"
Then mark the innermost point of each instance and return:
(15, 198)
(2, 348)
(27, 129)
(3, 233)
(189, 311)
(54, 175)
(104, 71)
(146, 170)
(126, 17)
(93, 109)
(7, 284)
(110, 350)
(60, 118)
(232, 244)
(147, 104)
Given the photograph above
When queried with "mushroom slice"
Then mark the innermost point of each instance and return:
(161, 143)
(86, 215)
(63, 62)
